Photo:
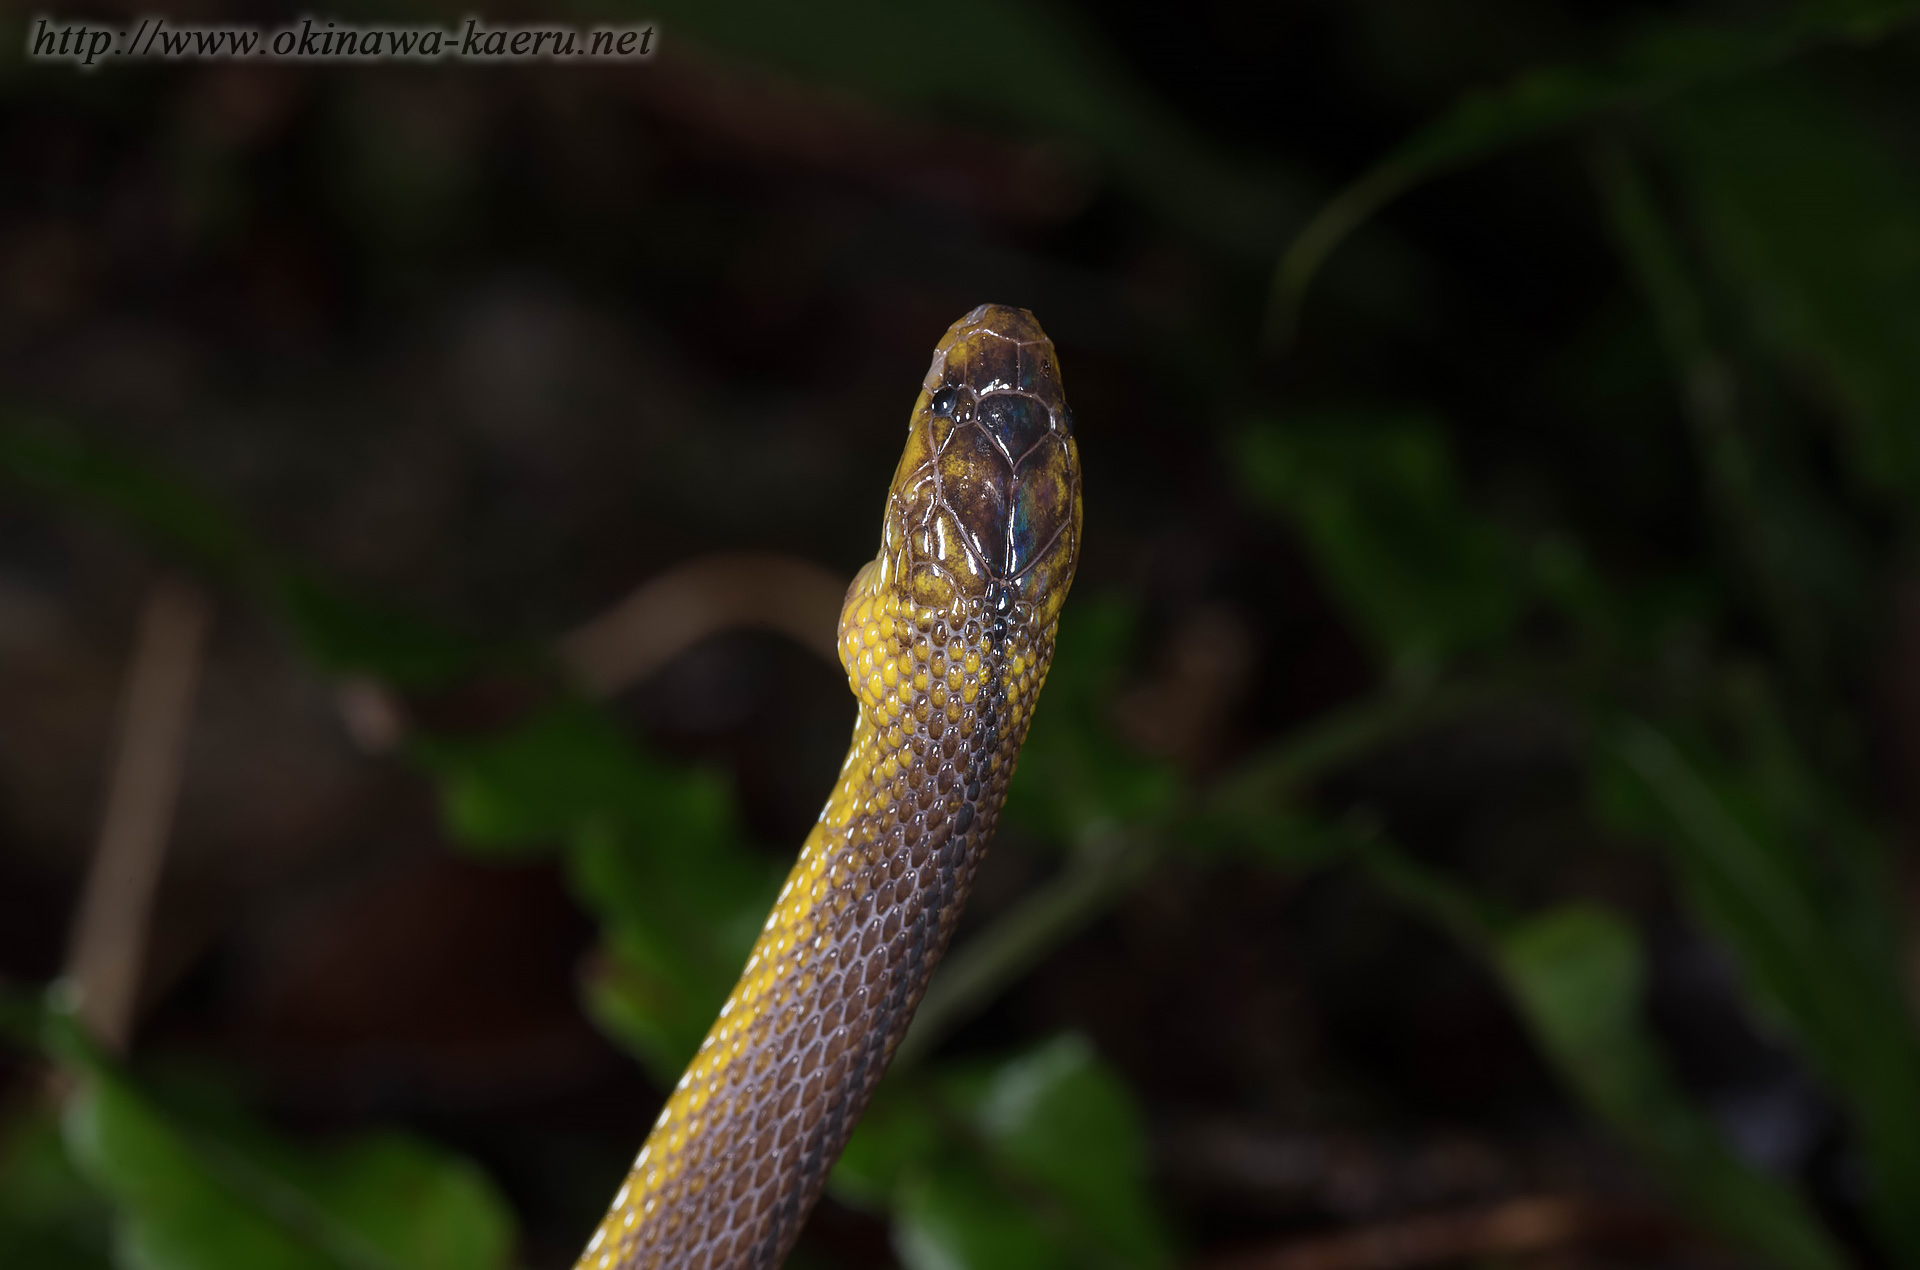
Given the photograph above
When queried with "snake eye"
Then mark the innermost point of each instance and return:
(943, 401)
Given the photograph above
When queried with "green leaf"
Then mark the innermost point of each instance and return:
(1661, 62)
(22, 1019)
(1378, 502)
(50, 1219)
(1039, 1160)
(1059, 1118)
(417, 1206)
(1796, 892)
(191, 1198)
(656, 853)
(172, 512)
(1803, 559)
(899, 1136)
(954, 1216)
(678, 922)
(567, 768)
(1074, 780)
(344, 634)
(1816, 223)
(1576, 975)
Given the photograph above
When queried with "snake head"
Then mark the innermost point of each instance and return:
(985, 506)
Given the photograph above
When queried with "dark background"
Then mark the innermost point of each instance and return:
(497, 344)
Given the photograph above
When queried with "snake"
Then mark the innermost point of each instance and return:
(946, 636)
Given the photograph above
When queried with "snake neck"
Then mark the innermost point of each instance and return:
(743, 1147)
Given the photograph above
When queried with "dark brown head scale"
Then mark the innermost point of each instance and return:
(988, 494)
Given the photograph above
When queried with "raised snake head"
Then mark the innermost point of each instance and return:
(985, 505)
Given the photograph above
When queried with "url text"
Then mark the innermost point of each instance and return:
(90, 44)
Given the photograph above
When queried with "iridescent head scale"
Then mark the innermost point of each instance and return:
(946, 636)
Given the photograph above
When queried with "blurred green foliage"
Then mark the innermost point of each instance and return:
(1036, 1161)
(1814, 222)
(1775, 239)
(1661, 62)
(657, 854)
(340, 632)
(197, 1191)
(1787, 199)
(1576, 975)
(1078, 781)
(1380, 506)
(1798, 894)
(49, 1216)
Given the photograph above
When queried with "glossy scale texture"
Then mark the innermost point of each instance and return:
(946, 637)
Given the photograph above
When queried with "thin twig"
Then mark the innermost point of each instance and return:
(664, 617)
(1269, 776)
(1021, 938)
(681, 607)
(1517, 1226)
(711, 594)
(1544, 102)
(110, 933)
(1106, 871)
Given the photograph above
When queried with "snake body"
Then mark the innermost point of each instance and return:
(946, 636)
